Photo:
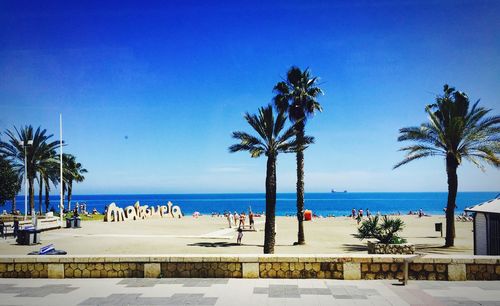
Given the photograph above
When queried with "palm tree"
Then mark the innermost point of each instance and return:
(270, 141)
(455, 132)
(36, 154)
(74, 172)
(51, 175)
(9, 182)
(46, 167)
(297, 96)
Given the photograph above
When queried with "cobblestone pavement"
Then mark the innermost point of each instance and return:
(244, 292)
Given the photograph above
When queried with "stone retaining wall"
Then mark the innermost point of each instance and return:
(483, 272)
(103, 270)
(349, 267)
(382, 248)
(23, 270)
(201, 269)
(301, 270)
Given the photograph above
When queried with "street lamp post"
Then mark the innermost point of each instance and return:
(29, 143)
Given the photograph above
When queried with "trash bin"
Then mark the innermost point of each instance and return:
(22, 237)
(77, 222)
(28, 236)
(69, 222)
(438, 227)
(34, 236)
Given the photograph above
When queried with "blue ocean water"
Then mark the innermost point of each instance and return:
(324, 204)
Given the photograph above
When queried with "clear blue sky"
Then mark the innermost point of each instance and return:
(176, 78)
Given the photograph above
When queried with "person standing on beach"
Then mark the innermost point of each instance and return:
(353, 213)
(360, 213)
(242, 220)
(252, 222)
(236, 218)
(368, 214)
(230, 218)
(358, 218)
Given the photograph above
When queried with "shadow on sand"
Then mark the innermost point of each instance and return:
(354, 247)
(440, 249)
(219, 244)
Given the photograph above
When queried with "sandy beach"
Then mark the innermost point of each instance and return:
(208, 234)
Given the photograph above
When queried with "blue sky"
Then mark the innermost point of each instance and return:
(150, 92)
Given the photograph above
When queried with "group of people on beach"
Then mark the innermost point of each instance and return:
(359, 214)
(420, 213)
(239, 221)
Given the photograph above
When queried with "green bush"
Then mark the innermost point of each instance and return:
(385, 231)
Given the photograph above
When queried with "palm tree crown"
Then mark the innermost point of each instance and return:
(297, 94)
(269, 140)
(454, 131)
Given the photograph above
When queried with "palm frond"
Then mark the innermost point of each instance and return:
(412, 157)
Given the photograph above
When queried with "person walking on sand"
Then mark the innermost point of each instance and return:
(230, 218)
(240, 235)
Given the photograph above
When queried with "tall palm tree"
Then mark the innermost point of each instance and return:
(36, 154)
(47, 168)
(50, 176)
(297, 96)
(74, 172)
(270, 141)
(455, 132)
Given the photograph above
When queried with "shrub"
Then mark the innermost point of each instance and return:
(385, 231)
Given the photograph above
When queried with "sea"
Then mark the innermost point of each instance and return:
(324, 204)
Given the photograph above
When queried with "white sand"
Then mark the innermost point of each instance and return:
(211, 235)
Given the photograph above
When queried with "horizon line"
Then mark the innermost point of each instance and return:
(263, 192)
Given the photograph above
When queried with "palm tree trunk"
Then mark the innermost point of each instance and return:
(269, 231)
(40, 194)
(63, 193)
(14, 204)
(300, 187)
(47, 194)
(70, 191)
(451, 171)
(31, 187)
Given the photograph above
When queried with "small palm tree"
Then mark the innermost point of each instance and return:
(455, 131)
(297, 96)
(385, 231)
(74, 172)
(36, 154)
(270, 142)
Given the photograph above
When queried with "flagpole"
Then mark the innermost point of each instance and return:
(61, 203)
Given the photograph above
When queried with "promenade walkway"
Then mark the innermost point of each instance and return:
(244, 292)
